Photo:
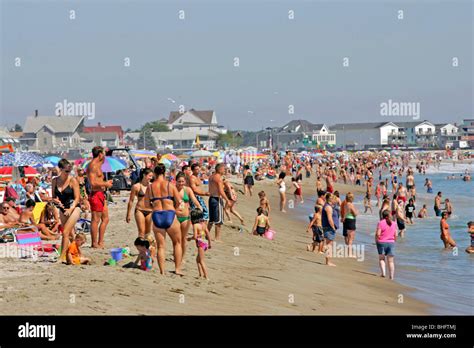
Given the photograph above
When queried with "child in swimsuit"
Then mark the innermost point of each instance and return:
(144, 260)
(262, 224)
(423, 212)
(202, 238)
(264, 203)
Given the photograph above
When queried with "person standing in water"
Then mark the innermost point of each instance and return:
(97, 201)
(385, 238)
(445, 233)
(437, 203)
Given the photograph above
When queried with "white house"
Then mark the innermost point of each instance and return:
(194, 120)
(322, 135)
(418, 133)
(180, 139)
(447, 134)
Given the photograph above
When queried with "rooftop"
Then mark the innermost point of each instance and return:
(58, 124)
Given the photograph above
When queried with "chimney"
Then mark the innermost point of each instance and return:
(36, 113)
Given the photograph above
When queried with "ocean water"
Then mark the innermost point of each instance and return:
(442, 278)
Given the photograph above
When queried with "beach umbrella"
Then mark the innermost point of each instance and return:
(10, 171)
(53, 160)
(143, 153)
(21, 159)
(170, 157)
(166, 162)
(111, 164)
(79, 161)
(201, 153)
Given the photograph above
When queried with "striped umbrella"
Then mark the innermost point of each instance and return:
(111, 164)
(170, 156)
(142, 154)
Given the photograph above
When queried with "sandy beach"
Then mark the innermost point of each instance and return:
(249, 276)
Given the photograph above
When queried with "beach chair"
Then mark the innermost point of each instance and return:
(29, 242)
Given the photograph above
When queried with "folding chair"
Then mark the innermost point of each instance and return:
(30, 242)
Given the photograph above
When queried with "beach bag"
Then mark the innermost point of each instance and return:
(11, 192)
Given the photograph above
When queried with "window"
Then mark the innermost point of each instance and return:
(45, 141)
(64, 139)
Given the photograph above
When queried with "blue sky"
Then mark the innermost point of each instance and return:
(282, 62)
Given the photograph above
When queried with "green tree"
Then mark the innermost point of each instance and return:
(156, 126)
(146, 140)
(231, 139)
(17, 128)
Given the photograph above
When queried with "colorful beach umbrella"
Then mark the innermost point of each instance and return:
(166, 162)
(170, 156)
(143, 153)
(21, 159)
(111, 164)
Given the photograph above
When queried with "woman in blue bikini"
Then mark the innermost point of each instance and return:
(163, 197)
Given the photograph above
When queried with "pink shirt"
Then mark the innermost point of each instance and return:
(387, 234)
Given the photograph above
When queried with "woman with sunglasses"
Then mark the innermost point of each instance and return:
(67, 196)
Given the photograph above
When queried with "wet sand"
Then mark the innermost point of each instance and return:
(249, 276)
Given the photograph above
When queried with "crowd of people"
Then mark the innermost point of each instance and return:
(199, 196)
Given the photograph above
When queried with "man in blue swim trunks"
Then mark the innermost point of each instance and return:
(195, 183)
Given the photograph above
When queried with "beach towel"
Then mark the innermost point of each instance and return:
(38, 210)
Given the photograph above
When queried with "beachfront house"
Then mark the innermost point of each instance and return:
(417, 133)
(180, 139)
(194, 120)
(302, 134)
(447, 135)
(47, 134)
(467, 133)
(360, 136)
(107, 136)
(8, 140)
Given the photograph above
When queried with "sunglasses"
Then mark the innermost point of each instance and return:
(5, 208)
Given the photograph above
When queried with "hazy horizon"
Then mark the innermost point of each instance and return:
(283, 61)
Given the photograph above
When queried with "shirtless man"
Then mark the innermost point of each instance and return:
(329, 182)
(410, 183)
(195, 184)
(6, 220)
(98, 203)
(216, 198)
(402, 193)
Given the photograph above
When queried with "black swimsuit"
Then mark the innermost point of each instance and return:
(66, 197)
